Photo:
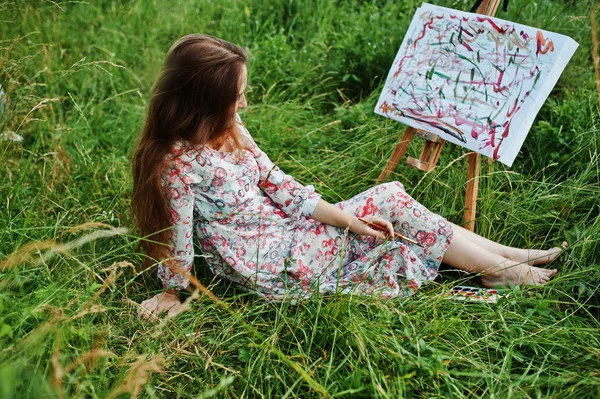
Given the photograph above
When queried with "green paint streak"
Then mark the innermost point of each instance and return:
(465, 97)
(428, 102)
(404, 91)
(456, 83)
(441, 75)
(479, 70)
(429, 74)
(537, 77)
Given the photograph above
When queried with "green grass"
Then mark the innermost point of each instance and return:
(78, 76)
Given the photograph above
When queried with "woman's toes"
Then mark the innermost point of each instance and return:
(539, 276)
(547, 256)
(549, 273)
(543, 278)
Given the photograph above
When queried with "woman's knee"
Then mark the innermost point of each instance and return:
(393, 187)
(390, 197)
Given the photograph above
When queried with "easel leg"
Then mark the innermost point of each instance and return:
(487, 7)
(472, 188)
(401, 148)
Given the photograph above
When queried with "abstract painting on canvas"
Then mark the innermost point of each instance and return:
(477, 81)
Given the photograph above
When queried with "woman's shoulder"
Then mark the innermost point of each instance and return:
(241, 127)
(181, 152)
(247, 139)
(184, 159)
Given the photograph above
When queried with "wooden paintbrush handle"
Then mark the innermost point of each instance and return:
(381, 228)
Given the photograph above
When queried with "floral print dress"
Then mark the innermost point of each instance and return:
(252, 223)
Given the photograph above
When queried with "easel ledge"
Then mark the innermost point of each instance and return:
(433, 147)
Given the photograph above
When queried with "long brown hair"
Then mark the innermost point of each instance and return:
(192, 100)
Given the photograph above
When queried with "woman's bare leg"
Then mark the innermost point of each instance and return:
(494, 269)
(530, 256)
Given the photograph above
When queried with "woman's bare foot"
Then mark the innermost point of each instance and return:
(511, 272)
(538, 256)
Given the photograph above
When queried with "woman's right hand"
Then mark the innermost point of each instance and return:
(329, 214)
(165, 301)
(387, 230)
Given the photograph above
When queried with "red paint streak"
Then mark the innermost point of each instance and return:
(465, 31)
(506, 131)
(497, 87)
(423, 32)
(400, 65)
(496, 156)
(504, 135)
(515, 55)
(466, 45)
(498, 29)
(543, 45)
(513, 109)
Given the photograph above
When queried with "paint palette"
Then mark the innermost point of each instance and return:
(475, 294)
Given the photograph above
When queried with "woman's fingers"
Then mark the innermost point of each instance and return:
(145, 308)
(384, 225)
(146, 312)
(153, 307)
(376, 233)
(390, 228)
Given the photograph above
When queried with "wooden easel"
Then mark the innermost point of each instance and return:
(433, 148)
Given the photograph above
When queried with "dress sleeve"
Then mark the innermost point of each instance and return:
(295, 199)
(177, 186)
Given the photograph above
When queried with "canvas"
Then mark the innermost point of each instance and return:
(475, 80)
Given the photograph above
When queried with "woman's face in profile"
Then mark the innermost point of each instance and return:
(241, 99)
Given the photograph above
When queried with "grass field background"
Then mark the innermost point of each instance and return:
(77, 76)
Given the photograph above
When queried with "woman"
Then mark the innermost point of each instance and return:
(196, 166)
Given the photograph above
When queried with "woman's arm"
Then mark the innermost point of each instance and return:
(177, 183)
(296, 200)
(179, 194)
(326, 213)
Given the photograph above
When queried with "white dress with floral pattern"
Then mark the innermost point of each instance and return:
(253, 225)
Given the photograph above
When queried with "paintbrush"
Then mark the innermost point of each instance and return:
(381, 228)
